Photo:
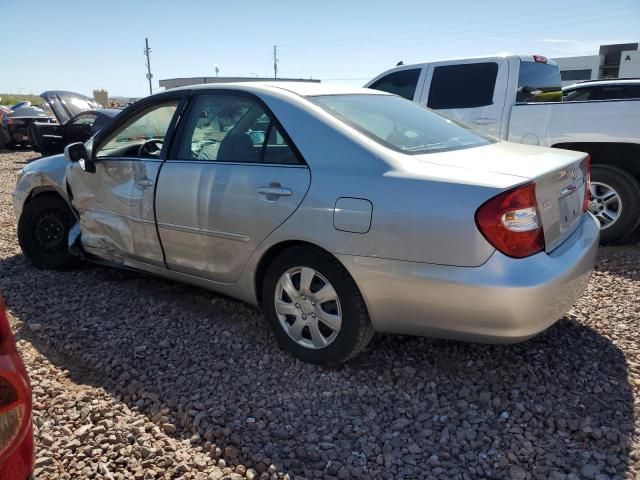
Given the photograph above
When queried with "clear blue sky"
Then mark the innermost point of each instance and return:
(85, 45)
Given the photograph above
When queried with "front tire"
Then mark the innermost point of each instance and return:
(43, 232)
(314, 307)
(615, 201)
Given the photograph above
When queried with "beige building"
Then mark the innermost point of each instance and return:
(101, 97)
(612, 61)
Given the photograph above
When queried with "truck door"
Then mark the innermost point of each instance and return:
(472, 92)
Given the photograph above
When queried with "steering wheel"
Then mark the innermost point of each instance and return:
(150, 148)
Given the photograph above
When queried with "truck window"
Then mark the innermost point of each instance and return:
(538, 82)
(463, 86)
(402, 82)
(617, 92)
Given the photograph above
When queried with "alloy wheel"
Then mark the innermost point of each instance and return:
(605, 203)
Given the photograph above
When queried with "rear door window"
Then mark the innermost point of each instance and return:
(236, 129)
(538, 82)
(402, 82)
(463, 86)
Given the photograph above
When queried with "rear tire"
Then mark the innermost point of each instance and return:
(607, 182)
(342, 342)
(43, 232)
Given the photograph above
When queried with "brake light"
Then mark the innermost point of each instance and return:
(586, 172)
(15, 397)
(511, 223)
(7, 343)
(15, 121)
(540, 59)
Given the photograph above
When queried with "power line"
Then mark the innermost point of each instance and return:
(476, 25)
(425, 40)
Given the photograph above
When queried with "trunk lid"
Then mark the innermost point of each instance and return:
(66, 105)
(559, 177)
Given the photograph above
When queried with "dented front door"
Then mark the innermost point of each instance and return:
(116, 209)
(116, 202)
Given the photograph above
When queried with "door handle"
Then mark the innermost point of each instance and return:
(144, 182)
(275, 191)
(484, 121)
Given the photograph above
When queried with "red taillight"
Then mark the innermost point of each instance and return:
(15, 121)
(511, 222)
(540, 59)
(586, 171)
(15, 403)
(7, 343)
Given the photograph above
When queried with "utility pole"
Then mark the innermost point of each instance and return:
(275, 61)
(147, 51)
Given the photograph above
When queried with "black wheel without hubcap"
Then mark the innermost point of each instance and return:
(315, 307)
(614, 199)
(43, 231)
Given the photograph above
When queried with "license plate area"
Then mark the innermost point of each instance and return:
(570, 208)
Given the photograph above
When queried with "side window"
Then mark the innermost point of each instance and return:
(228, 128)
(87, 120)
(402, 82)
(463, 86)
(148, 128)
(578, 95)
(617, 92)
(538, 82)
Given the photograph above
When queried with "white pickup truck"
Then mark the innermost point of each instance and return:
(519, 98)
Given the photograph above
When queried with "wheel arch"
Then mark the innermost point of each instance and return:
(625, 156)
(44, 190)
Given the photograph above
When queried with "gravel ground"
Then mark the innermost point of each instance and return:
(138, 377)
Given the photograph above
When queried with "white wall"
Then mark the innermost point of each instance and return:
(584, 62)
(630, 68)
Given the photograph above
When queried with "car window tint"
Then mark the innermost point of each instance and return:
(402, 82)
(85, 120)
(617, 92)
(538, 82)
(463, 86)
(577, 95)
(228, 128)
(399, 124)
(151, 124)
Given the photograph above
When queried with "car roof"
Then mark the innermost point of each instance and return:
(600, 83)
(303, 89)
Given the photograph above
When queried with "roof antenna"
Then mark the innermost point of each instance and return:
(399, 63)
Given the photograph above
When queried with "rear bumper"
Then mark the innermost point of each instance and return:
(503, 301)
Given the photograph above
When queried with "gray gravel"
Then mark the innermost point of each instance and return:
(138, 377)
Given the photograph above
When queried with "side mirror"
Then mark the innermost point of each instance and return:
(77, 152)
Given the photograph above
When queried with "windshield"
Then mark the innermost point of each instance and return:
(400, 124)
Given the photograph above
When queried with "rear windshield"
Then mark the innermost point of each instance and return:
(400, 124)
(539, 82)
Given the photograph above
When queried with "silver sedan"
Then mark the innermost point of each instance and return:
(340, 211)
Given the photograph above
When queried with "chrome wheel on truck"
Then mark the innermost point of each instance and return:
(605, 204)
(614, 199)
